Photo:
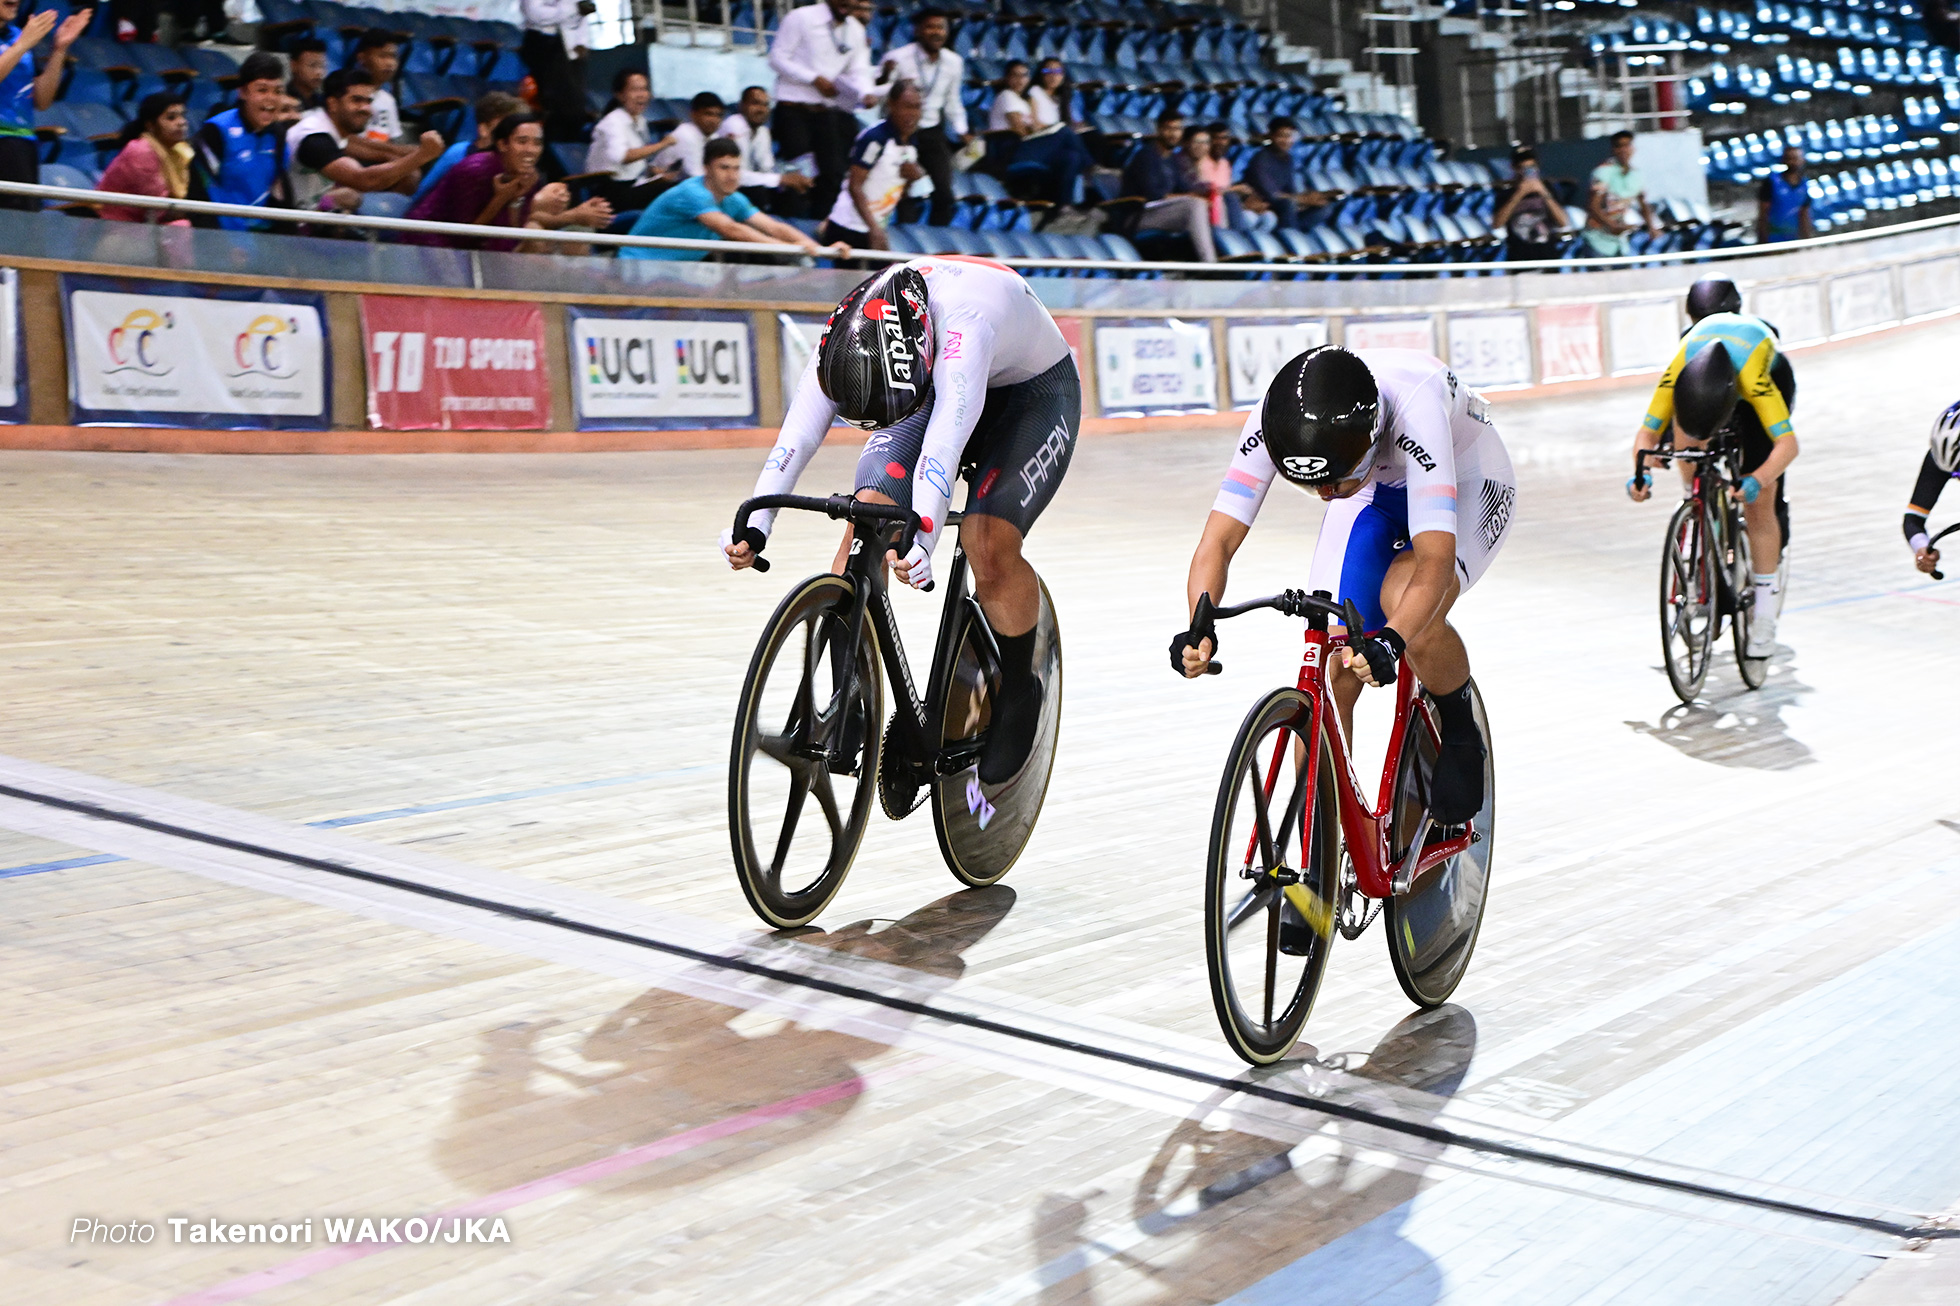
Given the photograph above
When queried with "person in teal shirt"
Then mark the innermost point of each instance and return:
(712, 207)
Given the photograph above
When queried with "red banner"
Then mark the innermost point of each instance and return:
(454, 364)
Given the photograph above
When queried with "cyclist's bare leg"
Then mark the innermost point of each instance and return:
(1765, 534)
(1436, 651)
(1007, 587)
(844, 548)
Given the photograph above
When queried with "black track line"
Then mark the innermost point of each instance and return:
(1340, 1110)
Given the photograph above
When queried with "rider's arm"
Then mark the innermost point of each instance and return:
(1240, 495)
(959, 382)
(1660, 409)
(1760, 392)
(1213, 559)
(804, 428)
(1424, 424)
(1925, 493)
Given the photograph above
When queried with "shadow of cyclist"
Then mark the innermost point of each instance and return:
(1742, 727)
(551, 1093)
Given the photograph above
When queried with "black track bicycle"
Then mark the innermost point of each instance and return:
(1705, 568)
(808, 727)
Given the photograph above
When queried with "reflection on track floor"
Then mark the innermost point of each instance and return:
(1719, 941)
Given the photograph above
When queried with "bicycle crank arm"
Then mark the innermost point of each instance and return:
(952, 761)
(1405, 874)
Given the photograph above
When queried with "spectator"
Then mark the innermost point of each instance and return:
(683, 155)
(1530, 217)
(1783, 203)
(767, 186)
(1237, 202)
(1195, 174)
(1616, 188)
(492, 188)
(555, 46)
(241, 153)
(379, 54)
(939, 74)
(1151, 175)
(1272, 175)
(154, 160)
(623, 145)
(884, 164)
(823, 72)
(492, 107)
(1055, 142)
(28, 84)
(307, 58)
(552, 210)
(1011, 111)
(712, 207)
(322, 174)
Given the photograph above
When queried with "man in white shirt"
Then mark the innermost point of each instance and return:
(322, 174)
(763, 181)
(939, 73)
(704, 114)
(821, 55)
(554, 49)
(377, 57)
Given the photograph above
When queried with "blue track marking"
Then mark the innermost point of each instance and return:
(397, 813)
(1845, 1089)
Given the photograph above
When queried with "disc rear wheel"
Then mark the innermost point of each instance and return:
(805, 751)
(1271, 880)
(1688, 600)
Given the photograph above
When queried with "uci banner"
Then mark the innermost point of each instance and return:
(161, 353)
(454, 364)
(654, 368)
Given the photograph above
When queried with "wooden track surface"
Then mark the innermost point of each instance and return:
(520, 671)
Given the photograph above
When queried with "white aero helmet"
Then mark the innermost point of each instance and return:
(1946, 439)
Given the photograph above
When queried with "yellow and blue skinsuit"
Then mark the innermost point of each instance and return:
(1751, 345)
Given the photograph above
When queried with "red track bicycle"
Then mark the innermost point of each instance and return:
(1298, 853)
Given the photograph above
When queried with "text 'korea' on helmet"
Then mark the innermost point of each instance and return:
(1320, 415)
(874, 360)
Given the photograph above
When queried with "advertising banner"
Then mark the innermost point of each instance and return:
(1862, 302)
(1390, 333)
(1255, 352)
(1155, 367)
(1797, 312)
(13, 352)
(1932, 286)
(655, 368)
(162, 353)
(1568, 342)
(1643, 337)
(1491, 351)
(454, 364)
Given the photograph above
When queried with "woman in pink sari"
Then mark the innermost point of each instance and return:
(155, 160)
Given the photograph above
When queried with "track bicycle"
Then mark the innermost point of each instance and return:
(808, 724)
(1298, 853)
(1705, 568)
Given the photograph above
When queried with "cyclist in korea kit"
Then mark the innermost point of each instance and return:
(956, 368)
(1728, 377)
(1940, 465)
(1420, 494)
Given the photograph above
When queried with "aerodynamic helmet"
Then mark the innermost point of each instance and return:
(1320, 415)
(874, 360)
(1713, 295)
(1705, 393)
(1946, 439)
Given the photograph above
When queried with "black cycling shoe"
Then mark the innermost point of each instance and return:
(1456, 784)
(1010, 737)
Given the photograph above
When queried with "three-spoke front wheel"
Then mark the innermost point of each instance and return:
(1689, 613)
(1272, 879)
(803, 763)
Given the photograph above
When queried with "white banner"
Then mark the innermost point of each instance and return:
(172, 354)
(1255, 353)
(9, 346)
(1156, 367)
(1568, 342)
(1643, 337)
(1390, 333)
(1797, 312)
(661, 367)
(1932, 286)
(1861, 302)
(1491, 351)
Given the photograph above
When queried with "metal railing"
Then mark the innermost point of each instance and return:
(463, 231)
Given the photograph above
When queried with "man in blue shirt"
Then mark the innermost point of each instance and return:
(1151, 176)
(24, 88)
(1783, 203)
(241, 153)
(712, 207)
(1275, 178)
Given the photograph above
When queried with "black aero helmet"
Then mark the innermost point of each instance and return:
(875, 356)
(1713, 295)
(1705, 392)
(1319, 416)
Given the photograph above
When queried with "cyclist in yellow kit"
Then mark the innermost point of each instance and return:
(1728, 368)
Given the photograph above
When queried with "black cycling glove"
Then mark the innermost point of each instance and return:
(1383, 649)
(1187, 640)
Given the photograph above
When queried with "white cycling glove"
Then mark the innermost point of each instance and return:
(920, 562)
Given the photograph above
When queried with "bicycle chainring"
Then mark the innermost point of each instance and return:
(900, 787)
(1357, 912)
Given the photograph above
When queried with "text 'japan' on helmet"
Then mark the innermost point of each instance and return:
(1320, 415)
(874, 360)
(1705, 393)
(1713, 295)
